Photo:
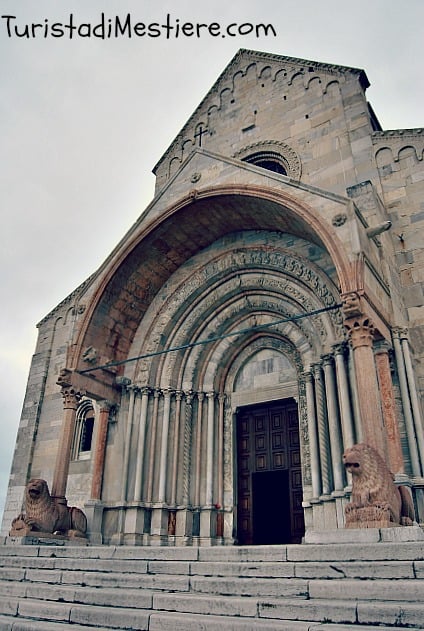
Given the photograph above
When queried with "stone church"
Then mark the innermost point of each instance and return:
(263, 314)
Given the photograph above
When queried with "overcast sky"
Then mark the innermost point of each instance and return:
(84, 120)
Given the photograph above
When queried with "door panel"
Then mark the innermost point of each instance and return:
(269, 475)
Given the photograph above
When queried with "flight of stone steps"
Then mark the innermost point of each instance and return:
(269, 588)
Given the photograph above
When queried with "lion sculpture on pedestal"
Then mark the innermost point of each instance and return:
(376, 501)
(44, 515)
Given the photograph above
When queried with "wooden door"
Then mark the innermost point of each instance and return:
(269, 476)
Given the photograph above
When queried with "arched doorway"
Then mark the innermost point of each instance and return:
(268, 463)
(269, 479)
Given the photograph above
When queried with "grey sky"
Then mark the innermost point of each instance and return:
(83, 122)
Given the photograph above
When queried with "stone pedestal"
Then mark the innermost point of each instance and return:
(365, 535)
(46, 539)
(94, 512)
(159, 524)
(184, 525)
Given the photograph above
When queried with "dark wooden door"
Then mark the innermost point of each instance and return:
(269, 475)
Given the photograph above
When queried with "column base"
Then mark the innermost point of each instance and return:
(94, 513)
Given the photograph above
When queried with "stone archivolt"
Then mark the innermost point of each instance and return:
(224, 291)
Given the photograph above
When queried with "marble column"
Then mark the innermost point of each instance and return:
(344, 396)
(313, 436)
(127, 443)
(394, 447)
(60, 476)
(322, 431)
(210, 448)
(152, 446)
(100, 450)
(175, 448)
(406, 404)
(198, 461)
(138, 485)
(163, 456)
(333, 423)
(184, 517)
(361, 335)
(415, 404)
(221, 400)
(118, 537)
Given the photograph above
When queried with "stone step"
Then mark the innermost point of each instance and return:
(309, 553)
(268, 587)
(390, 585)
(287, 569)
(182, 622)
(384, 589)
(28, 599)
(73, 613)
(351, 611)
(36, 615)
(26, 624)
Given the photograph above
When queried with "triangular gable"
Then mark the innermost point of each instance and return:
(270, 64)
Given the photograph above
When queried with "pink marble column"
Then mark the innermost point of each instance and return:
(394, 448)
(361, 335)
(100, 450)
(60, 476)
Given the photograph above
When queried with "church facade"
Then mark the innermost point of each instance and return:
(263, 314)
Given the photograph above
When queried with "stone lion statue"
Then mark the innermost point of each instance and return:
(44, 515)
(376, 501)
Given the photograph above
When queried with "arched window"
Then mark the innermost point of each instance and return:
(272, 155)
(84, 428)
(269, 160)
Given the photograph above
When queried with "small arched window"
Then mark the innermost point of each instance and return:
(269, 160)
(84, 429)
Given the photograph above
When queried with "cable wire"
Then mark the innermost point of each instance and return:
(209, 340)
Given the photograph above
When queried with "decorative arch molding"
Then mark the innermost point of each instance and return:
(275, 150)
(83, 431)
(247, 281)
(116, 274)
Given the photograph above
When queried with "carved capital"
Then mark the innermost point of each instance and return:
(316, 370)
(189, 397)
(340, 349)
(105, 406)
(400, 332)
(327, 360)
(307, 377)
(71, 397)
(360, 331)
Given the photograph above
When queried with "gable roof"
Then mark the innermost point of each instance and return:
(244, 56)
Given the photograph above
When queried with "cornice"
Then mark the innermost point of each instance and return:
(417, 132)
(79, 290)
